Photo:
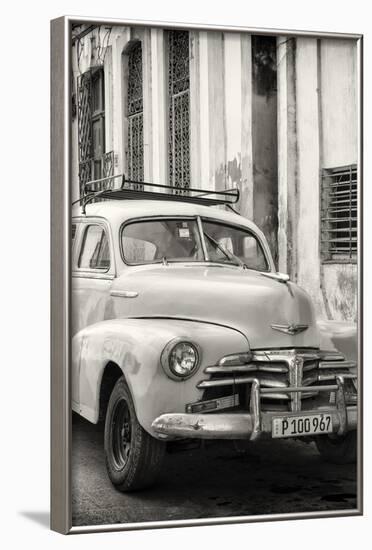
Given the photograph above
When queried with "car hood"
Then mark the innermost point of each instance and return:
(238, 298)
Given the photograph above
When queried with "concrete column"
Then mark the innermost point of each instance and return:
(246, 189)
(109, 86)
(217, 127)
(119, 41)
(287, 156)
(204, 112)
(264, 138)
(308, 149)
(159, 94)
(233, 107)
(147, 105)
(195, 159)
(299, 165)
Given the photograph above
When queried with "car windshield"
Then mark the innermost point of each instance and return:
(178, 240)
(229, 243)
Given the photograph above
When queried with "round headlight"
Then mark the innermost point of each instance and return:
(180, 359)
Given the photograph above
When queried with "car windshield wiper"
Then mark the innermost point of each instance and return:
(230, 256)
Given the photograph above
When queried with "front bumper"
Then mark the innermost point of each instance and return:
(250, 425)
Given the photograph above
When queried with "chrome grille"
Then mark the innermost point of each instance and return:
(279, 369)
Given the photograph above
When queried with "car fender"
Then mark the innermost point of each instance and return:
(341, 336)
(135, 345)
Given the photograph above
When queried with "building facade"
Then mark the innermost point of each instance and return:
(275, 117)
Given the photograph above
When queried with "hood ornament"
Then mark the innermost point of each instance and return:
(290, 329)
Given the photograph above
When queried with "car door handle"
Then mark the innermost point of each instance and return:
(124, 293)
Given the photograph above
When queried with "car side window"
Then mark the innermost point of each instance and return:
(95, 250)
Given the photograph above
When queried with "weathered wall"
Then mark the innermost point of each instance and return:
(317, 116)
(264, 117)
(339, 132)
(339, 102)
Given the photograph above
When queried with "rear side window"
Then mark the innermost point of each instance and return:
(95, 251)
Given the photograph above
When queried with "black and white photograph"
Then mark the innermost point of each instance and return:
(215, 230)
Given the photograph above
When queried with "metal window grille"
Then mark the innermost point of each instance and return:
(135, 114)
(339, 213)
(85, 128)
(94, 162)
(179, 109)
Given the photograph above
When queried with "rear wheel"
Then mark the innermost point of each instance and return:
(133, 457)
(338, 449)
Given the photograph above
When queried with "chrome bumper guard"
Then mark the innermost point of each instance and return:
(251, 425)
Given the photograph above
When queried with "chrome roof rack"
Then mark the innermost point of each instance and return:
(104, 188)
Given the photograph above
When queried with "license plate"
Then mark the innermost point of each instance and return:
(294, 426)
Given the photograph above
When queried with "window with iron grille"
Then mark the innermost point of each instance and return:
(179, 109)
(339, 214)
(94, 162)
(135, 114)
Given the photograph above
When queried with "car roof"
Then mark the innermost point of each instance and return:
(119, 211)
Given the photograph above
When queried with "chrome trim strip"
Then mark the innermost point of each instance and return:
(333, 376)
(299, 389)
(249, 367)
(337, 364)
(331, 356)
(93, 275)
(295, 365)
(224, 382)
(238, 368)
(255, 409)
(236, 359)
(272, 383)
(221, 403)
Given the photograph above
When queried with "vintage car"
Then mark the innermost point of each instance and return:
(183, 331)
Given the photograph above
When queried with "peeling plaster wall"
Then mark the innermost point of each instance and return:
(340, 286)
(317, 116)
(339, 147)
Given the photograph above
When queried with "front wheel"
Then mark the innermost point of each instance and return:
(133, 457)
(338, 449)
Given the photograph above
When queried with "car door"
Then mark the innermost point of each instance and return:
(93, 270)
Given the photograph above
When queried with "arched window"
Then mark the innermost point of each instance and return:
(135, 113)
(179, 109)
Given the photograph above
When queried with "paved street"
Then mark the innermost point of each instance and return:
(272, 477)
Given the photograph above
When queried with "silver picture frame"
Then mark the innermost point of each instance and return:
(61, 428)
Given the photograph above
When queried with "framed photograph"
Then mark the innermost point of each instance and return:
(206, 274)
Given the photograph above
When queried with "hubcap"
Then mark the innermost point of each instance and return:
(121, 433)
